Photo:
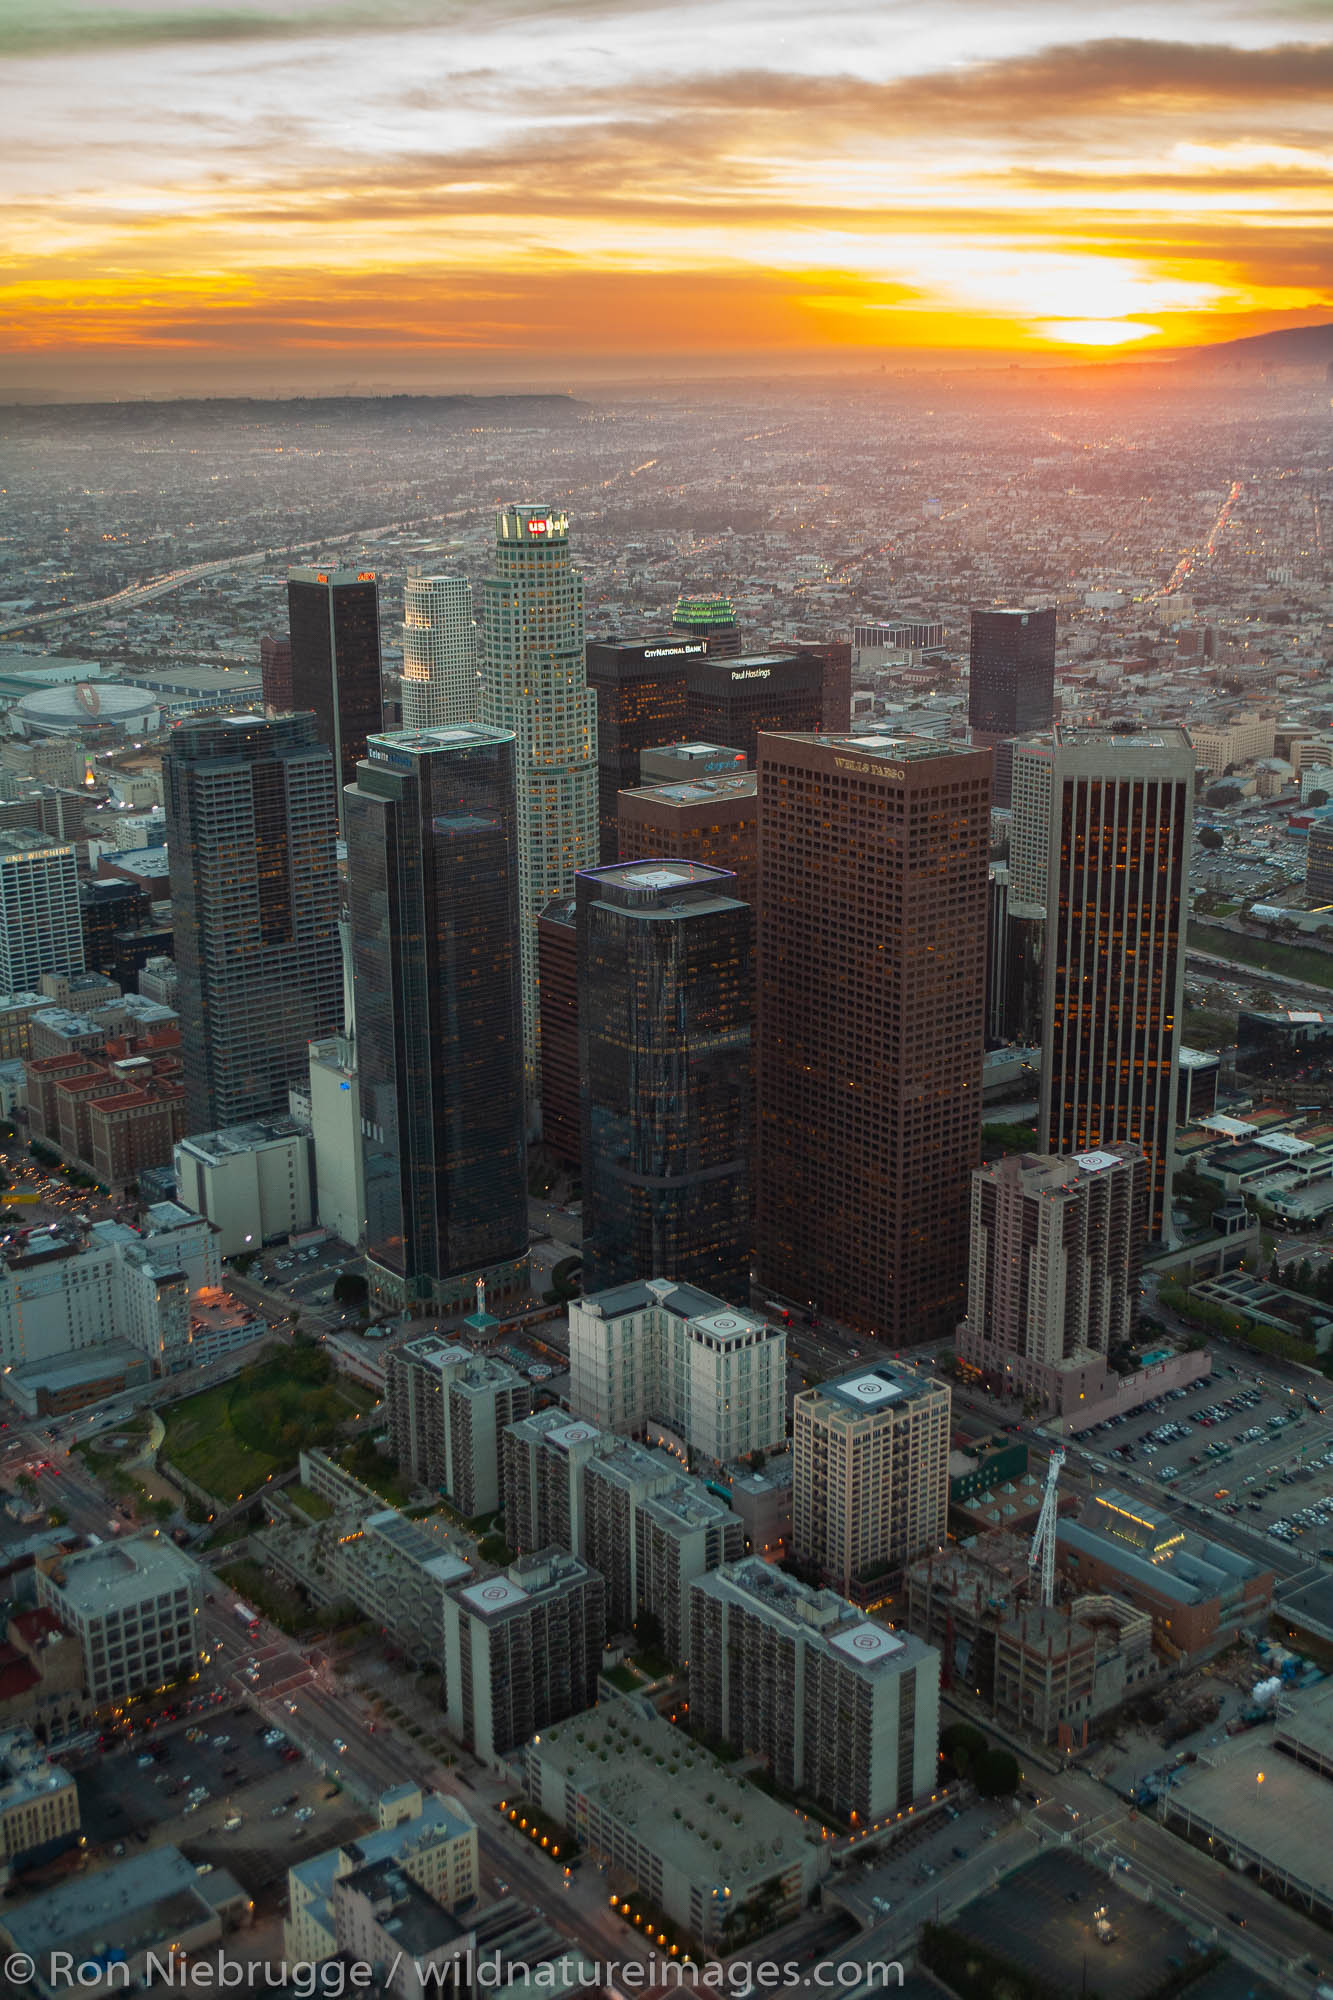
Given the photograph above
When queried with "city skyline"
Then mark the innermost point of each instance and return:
(603, 194)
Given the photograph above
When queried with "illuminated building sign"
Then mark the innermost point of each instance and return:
(750, 673)
(687, 646)
(365, 576)
(866, 768)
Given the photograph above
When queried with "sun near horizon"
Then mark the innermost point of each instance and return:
(208, 198)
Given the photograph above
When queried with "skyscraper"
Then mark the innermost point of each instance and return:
(712, 619)
(730, 700)
(872, 967)
(835, 668)
(534, 684)
(712, 820)
(640, 689)
(432, 869)
(275, 673)
(1011, 686)
(41, 924)
(254, 899)
(439, 652)
(665, 1062)
(335, 663)
(558, 1000)
(1101, 840)
(1053, 1278)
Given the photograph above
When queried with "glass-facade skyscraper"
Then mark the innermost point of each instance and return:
(432, 865)
(640, 689)
(1103, 824)
(534, 684)
(665, 1063)
(335, 660)
(254, 900)
(1011, 682)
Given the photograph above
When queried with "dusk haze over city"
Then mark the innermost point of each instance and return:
(666, 1000)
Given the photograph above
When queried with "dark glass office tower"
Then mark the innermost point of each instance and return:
(640, 687)
(254, 899)
(665, 1062)
(1102, 830)
(432, 869)
(558, 1004)
(731, 700)
(335, 660)
(275, 673)
(1011, 686)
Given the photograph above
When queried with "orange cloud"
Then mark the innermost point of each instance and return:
(1117, 192)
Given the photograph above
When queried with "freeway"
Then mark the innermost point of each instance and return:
(177, 579)
(1209, 963)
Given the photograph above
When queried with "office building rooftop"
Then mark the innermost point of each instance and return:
(118, 1576)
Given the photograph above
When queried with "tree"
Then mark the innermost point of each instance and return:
(1317, 799)
(964, 1745)
(350, 1288)
(1209, 837)
(1223, 795)
(995, 1774)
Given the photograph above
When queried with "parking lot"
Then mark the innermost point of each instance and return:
(1239, 1443)
(228, 1796)
(1044, 1917)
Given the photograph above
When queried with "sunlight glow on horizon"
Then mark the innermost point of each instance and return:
(576, 180)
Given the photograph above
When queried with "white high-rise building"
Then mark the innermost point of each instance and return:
(41, 929)
(672, 1362)
(533, 682)
(439, 653)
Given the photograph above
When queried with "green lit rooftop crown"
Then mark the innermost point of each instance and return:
(704, 611)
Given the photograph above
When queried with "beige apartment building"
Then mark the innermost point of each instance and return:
(870, 1488)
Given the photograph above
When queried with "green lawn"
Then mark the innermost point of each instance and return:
(1296, 961)
(232, 1439)
(313, 1504)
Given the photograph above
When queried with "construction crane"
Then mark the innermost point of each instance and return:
(1043, 1541)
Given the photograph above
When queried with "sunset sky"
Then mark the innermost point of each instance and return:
(265, 194)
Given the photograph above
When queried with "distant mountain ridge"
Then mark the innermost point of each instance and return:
(295, 412)
(1287, 347)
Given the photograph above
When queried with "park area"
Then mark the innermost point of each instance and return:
(232, 1439)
